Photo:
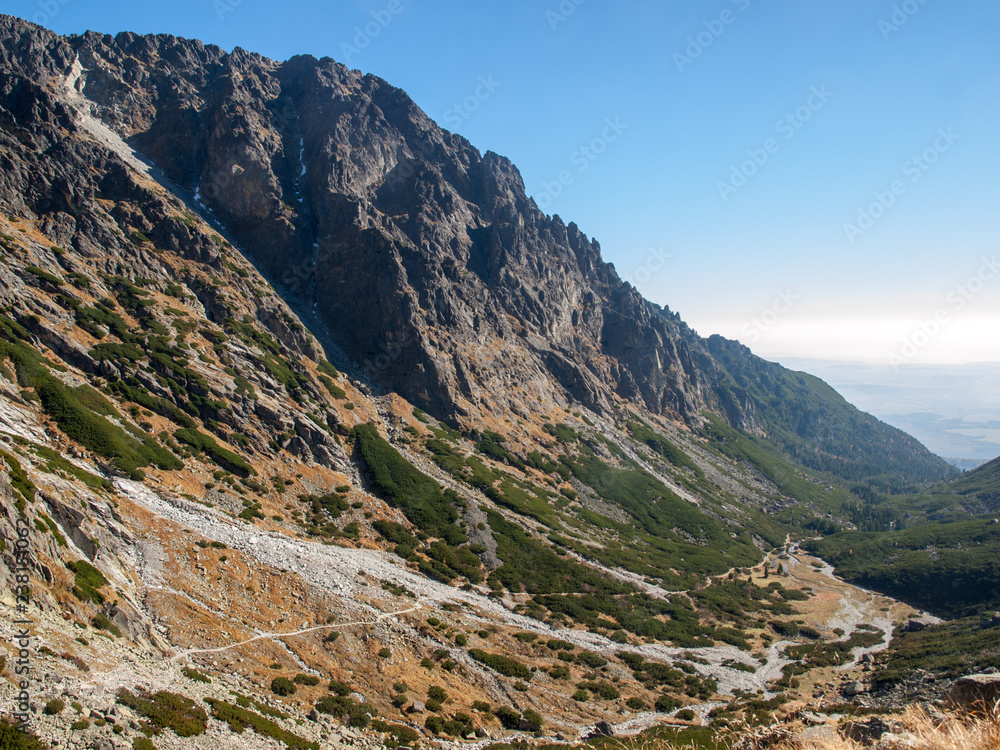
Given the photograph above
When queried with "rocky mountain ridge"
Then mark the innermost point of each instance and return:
(463, 296)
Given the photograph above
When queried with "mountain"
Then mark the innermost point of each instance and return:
(463, 296)
(311, 417)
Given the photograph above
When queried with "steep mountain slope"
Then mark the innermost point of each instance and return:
(201, 488)
(426, 262)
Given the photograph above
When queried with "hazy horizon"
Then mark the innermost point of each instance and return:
(954, 410)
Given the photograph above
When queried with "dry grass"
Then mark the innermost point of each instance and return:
(913, 730)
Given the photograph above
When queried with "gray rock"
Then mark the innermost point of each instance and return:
(417, 707)
(867, 732)
(529, 726)
(854, 688)
(976, 693)
(601, 729)
(813, 719)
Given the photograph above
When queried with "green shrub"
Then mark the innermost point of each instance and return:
(240, 719)
(399, 735)
(666, 703)
(101, 622)
(54, 706)
(590, 659)
(223, 457)
(306, 679)
(87, 581)
(437, 693)
(193, 674)
(165, 710)
(347, 710)
(509, 718)
(336, 391)
(328, 369)
(44, 275)
(786, 629)
(339, 688)
(79, 414)
(282, 686)
(143, 743)
(533, 717)
(505, 665)
(420, 498)
(664, 447)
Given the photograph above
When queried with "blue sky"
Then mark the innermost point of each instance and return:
(816, 178)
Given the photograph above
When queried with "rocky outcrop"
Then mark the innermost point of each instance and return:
(427, 261)
(976, 693)
(423, 260)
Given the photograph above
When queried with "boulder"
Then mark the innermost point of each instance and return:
(524, 725)
(854, 688)
(811, 719)
(601, 729)
(417, 707)
(976, 693)
(867, 732)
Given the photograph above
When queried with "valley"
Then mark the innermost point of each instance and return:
(454, 483)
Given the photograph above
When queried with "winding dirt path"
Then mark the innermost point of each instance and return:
(281, 636)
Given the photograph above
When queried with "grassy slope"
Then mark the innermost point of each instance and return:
(813, 423)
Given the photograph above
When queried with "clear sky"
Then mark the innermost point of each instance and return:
(816, 178)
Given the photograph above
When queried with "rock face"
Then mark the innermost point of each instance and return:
(423, 260)
(427, 261)
(976, 693)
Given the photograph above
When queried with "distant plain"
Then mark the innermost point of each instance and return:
(952, 409)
